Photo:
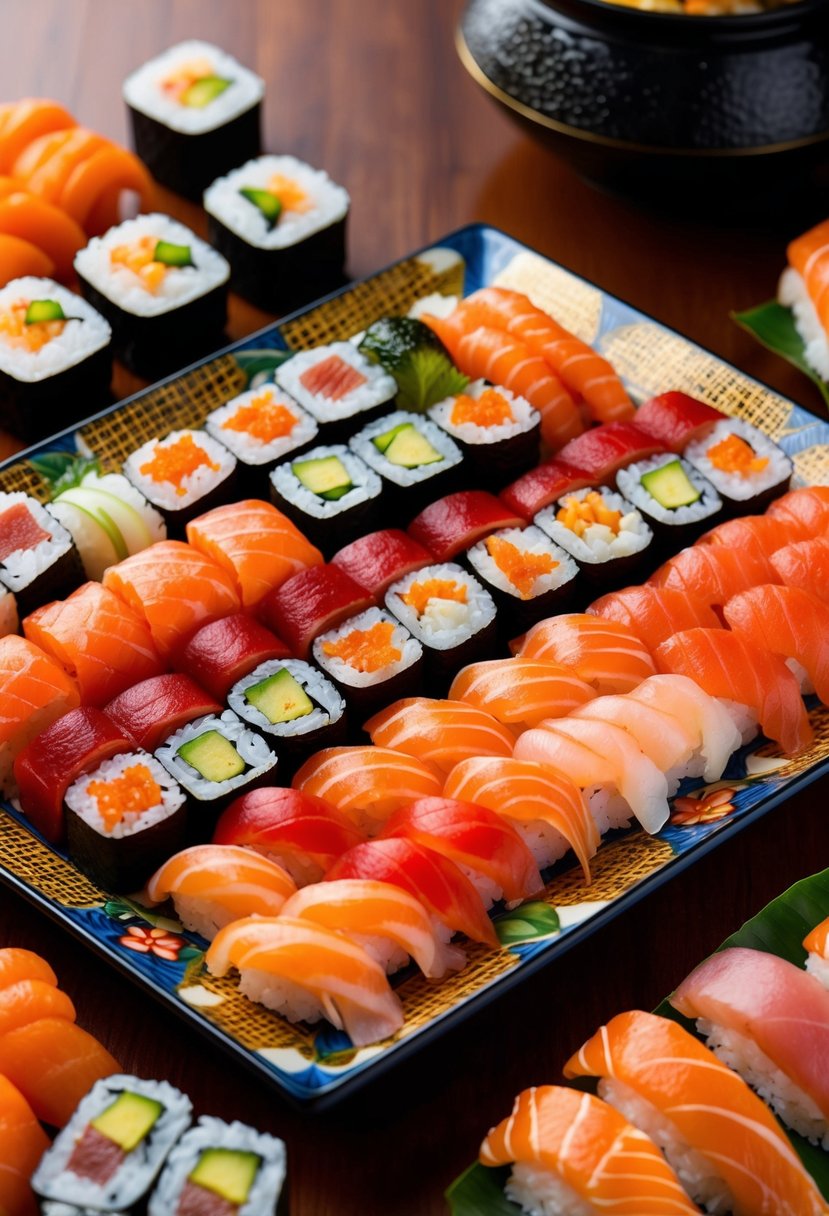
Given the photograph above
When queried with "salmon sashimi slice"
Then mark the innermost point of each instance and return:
(255, 543)
(601, 759)
(214, 884)
(25, 121)
(717, 734)
(487, 846)
(52, 230)
(547, 809)
(805, 564)
(761, 1013)
(672, 1087)
(602, 653)
(46, 164)
(581, 369)
(332, 378)
(521, 692)
(654, 614)
(20, 258)
(441, 733)
(17, 964)
(665, 739)
(711, 574)
(597, 1160)
(789, 622)
(97, 639)
(29, 1000)
(806, 508)
(319, 973)
(759, 535)
(366, 783)
(54, 1063)
(22, 1143)
(175, 588)
(366, 910)
(106, 169)
(36, 691)
(436, 881)
(730, 666)
(808, 254)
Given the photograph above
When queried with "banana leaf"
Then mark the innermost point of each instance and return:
(779, 928)
(773, 326)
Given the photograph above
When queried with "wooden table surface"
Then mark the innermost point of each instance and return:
(373, 92)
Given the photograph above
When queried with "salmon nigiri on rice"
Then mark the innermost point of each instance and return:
(816, 945)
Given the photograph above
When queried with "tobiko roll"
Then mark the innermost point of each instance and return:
(38, 561)
(282, 226)
(601, 530)
(527, 575)
(150, 711)
(182, 475)
(747, 468)
(194, 112)
(325, 486)
(162, 289)
(416, 459)
(220, 654)
(261, 427)
(372, 659)
(338, 386)
(677, 500)
(498, 432)
(294, 705)
(377, 560)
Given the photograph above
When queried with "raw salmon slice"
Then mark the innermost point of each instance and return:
(602, 653)
(654, 614)
(332, 378)
(789, 622)
(440, 732)
(521, 692)
(367, 783)
(805, 565)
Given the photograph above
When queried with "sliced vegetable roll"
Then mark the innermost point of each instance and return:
(677, 500)
(418, 461)
(38, 561)
(323, 486)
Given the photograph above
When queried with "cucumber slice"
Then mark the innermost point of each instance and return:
(105, 505)
(212, 756)
(326, 477)
(204, 90)
(268, 203)
(173, 255)
(409, 449)
(670, 486)
(81, 499)
(381, 442)
(92, 542)
(44, 310)
(280, 698)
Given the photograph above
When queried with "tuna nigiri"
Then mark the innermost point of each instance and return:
(53, 1063)
(366, 783)
(521, 691)
(602, 653)
(711, 574)
(36, 692)
(789, 622)
(675, 419)
(22, 1143)
(442, 733)
(805, 565)
(150, 711)
(654, 613)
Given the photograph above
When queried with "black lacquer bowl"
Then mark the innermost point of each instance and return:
(703, 113)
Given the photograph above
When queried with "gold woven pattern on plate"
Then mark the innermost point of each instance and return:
(424, 1001)
(393, 291)
(23, 855)
(818, 751)
(183, 402)
(574, 303)
(617, 866)
(21, 477)
(250, 1024)
(812, 466)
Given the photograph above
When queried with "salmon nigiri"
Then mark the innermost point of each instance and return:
(789, 622)
(308, 972)
(759, 535)
(573, 1153)
(816, 945)
(602, 653)
(806, 508)
(22, 1143)
(18, 964)
(440, 732)
(54, 1063)
(717, 735)
(726, 1147)
(805, 565)
(36, 692)
(366, 783)
(547, 809)
(665, 739)
(730, 666)
(713, 573)
(29, 1000)
(521, 691)
(654, 613)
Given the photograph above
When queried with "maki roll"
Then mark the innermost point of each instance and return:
(338, 386)
(182, 475)
(55, 358)
(498, 432)
(527, 576)
(161, 288)
(294, 705)
(108, 519)
(123, 819)
(372, 659)
(327, 486)
(746, 468)
(38, 561)
(223, 1169)
(449, 613)
(215, 758)
(601, 530)
(261, 427)
(418, 461)
(195, 112)
(111, 1150)
(282, 227)
(677, 500)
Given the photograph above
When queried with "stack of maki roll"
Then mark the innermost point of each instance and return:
(261, 427)
(329, 493)
(182, 475)
(416, 459)
(338, 386)
(38, 560)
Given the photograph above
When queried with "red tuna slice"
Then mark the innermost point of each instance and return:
(674, 419)
(77, 743)
(333, 378)
(543, 485)
(226, 650)
(379, 559)
(456, 522)
(311, 602)
(604, 450)
(19, 530)
(150, 711)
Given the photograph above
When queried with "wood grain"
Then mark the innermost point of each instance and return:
(373, 92)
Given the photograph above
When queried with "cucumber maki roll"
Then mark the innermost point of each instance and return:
(38, 561)
(261, 427)
(372, 659)
(182, 475)
(338, 386)
(417, 460)
(528, 576)
(329, 493)
(746, 468)
(498, 432)
(111, 1150)
(282, 227)
(602, 531)
(677, 500)
(195, 111)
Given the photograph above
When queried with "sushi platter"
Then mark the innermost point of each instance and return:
(349, 475)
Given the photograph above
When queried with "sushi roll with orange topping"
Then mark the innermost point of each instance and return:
(528, 576)
(372, 659)
(182, 475)
(261, 427)
(602, 531)
(498, 432)
(746, 468)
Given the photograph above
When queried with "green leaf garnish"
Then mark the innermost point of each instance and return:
(425, 378)
(773, 326)
(74, 474)
(527, 923)
(480, 1192)
(63, 470)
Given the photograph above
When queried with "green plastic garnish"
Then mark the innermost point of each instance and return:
(268, 203)
(773, 325)
(172, 255)
(416, 358)
(204, 90)
(72, 473)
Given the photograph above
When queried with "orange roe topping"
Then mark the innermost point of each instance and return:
(134, 792)
(17, 334)
(186, 74)
(490, 409)
(578, 514)
(521, 568)
(290, 193)
(174, 461)
(262, 418)
(419, 594)
(139, 257)
(734, 455)
(366, 649)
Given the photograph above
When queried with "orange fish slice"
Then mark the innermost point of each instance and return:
(54, 1063)
(19, 258)
(22, 1143)
(29, 1000)
(366, 783)
(521, 692)
(602, 653)
(21, 122)
(35, 693)
(806, 508)
(805, 565)
(439, 732)
(809, 255)
(711, 574)
(789, 622)
(654, 613)
(18, 964)
(50, 229)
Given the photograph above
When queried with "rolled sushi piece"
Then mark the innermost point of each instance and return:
(182, 475)
(282, 226)
(220, 654)
(416, 459)
(603, 653)
(542, 486)
(194, 112)
(441, 733)
(311, 602)
(214, 759)
(38, 560)
(325, 486)
(261, 427)
(108, 519)
(675, 499)
(452, 524)
(122, 819)
(816, 945)
(161, 288)
(746, 468)
(150, 711)
(498, 432)
(55, 358)
(602, 531)
(371, 659)
(674, 419)
(338, 386)
(377, 560)
(528, 576)
(36, 692)
(111, 1150)
(450, 615)
(9, 618)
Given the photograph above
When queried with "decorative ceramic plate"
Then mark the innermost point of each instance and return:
(319, 1064)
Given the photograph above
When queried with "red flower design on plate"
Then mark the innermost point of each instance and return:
(688, 812)
(153, 941)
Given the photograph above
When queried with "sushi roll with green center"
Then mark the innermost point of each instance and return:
(498, 432)
(678, 501)
(182, 475)
(38, 561)
(605, 534)
(528, 576)
(372, 659)
(261, 427)
(329, 493)
(338, 386)
(418, 461)
(747, 468)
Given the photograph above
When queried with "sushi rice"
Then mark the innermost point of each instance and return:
(629, 481)
(533, 542)
(346, 673)
(540, 1192)
(21, 567)
(144, 91)
(366, 485)
(524, 417)
(598, 543)
(444, 623)
(793, 293)
(329, 705)
(249, 448)
(365, 447)
(85, 804)
(211, 1133)
(195, 485)
(84, 333)
(376, 388)
(252, 749)
(737, 485)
